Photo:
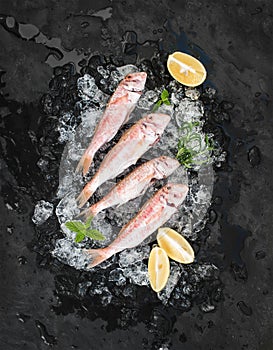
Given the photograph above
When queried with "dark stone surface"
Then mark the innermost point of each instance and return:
(237, 38)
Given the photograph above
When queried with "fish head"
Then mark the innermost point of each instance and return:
(135, 82)
(156, 122)
(175, 194)
(166, 165)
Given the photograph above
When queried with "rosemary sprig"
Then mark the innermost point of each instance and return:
(193, 145)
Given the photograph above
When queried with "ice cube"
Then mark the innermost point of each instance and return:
(100, 223)
(68, 253)
(193, 94)
(131, 256)
(148, 99)
(129, 291)
(117, 277)
(207, 307)
(137, 273)
(86, 87)
(67, 208)
(43, 210)
(188, 111)
(83, 287)
(174, 277)
(103, 72)
(106, 296)
(66, 127)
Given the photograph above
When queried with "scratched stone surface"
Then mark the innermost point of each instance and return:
(45, 47)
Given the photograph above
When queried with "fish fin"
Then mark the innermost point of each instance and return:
(85, 194)
(115, 99)
(84, 163)
(155, 141)
(97, 256)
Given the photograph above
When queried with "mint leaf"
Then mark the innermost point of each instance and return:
(167, 102)
(79, 237)
(157, 105)
(75, 226)
(95, 234)
(164, 95)
(88, 222)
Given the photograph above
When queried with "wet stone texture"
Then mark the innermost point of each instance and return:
(224, 300)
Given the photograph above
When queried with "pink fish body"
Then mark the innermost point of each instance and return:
(117, 112)
(134, 184)
(155, 212)
(131, 146)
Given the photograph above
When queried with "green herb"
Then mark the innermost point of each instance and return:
(192, 145)
(84, 230)
(164, 98)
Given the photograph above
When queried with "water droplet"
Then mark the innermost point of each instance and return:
(22, 318)
(22, 260)
(245, 309)
(10, 229)
(28, 31)
(47, 338)
(10, 22)
(254, 156)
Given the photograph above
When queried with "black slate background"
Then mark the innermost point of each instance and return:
(237, 36)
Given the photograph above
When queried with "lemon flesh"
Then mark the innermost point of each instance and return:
(175, 245)
(158, 269)
(186, 69)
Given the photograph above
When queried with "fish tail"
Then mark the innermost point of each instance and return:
(85, 194)
(87, 213)
(85, 163)
(97, 256)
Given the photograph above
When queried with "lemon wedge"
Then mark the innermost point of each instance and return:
(175, 245)
(158, 269)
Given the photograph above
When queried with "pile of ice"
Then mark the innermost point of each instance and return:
(42, 211)
(129, 265)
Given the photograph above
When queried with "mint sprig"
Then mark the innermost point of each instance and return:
(164, 98)
(84, 230)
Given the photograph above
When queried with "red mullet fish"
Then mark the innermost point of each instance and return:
(155, 212)
(117, 112)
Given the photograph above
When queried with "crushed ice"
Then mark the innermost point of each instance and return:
(43, 210)
(131, 264)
